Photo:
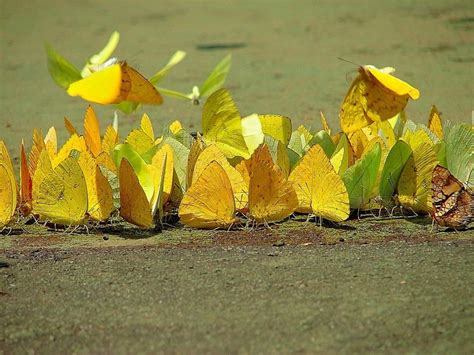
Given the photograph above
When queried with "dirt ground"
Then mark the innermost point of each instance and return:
(368, 287)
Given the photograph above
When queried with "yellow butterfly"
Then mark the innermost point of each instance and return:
(92, 133)
(114, 84)
(8, 188)
(25, 183)
(414, 185)
(324, 122)
(435, 124)
(165, 155)
(221, 124)
(194, 152)
(213, 153)
(136, 205)
(319, 188)
(209, 202)
(100, 203)
(99, 192)
(142, 139)
(60, 193)
(271, 197)
(51, 142)
(375, 95)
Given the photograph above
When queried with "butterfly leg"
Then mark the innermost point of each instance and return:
(34, 219)
(266, 225)
(432, 225)
(414, 213)
(380, 213)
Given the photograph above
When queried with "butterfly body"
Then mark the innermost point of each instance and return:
(453, 202)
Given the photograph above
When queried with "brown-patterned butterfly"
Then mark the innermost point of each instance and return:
(453, 203)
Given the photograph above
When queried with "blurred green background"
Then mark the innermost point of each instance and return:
(284, 54)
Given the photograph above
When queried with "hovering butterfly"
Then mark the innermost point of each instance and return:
(113, 83)
(375, 95)
(453, 202)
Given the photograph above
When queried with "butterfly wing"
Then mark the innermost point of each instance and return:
(195, 151)
(25, 183)
(360, 178)
(213, 153)
(74, 143)
(8, 188)
(165, 156)
(51, 142)
(7, 195)
(62, 194)
(134, 205)
(379, 102)
(329, 198)
(392, 83)
(209, 202)
(453, 203)
(319, 188)
(36, 148)
(271, 196)
(221, 124)
(352, 115)
(374, 96)
(141, 90)
(143, 138)
(276, 126)
(99, 192)
(92, 132)
(102, 87)
(414, 184)
(435, 124)
(110, 139)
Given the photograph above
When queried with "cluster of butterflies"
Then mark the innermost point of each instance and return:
(254, 169)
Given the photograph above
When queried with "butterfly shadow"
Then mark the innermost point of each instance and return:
(419, 220)
(220, 46)
(127, 231)
(312, 220)
(11, 231)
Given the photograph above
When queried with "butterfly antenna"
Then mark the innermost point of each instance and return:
(348, 61)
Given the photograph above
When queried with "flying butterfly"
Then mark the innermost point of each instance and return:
(113, 83)
(453, 202)
(375, 95)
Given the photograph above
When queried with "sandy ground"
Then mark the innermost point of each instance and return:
(147, 295)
